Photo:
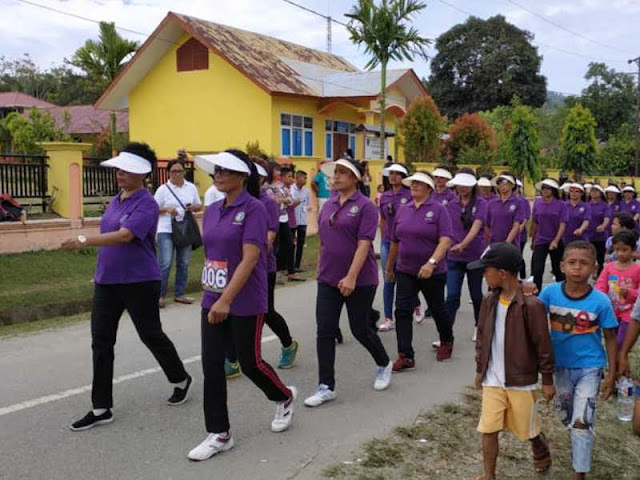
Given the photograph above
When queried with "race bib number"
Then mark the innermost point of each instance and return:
(215, 276)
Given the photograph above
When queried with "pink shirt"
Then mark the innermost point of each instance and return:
(612, 280)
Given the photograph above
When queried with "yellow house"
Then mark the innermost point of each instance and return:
(207, 87)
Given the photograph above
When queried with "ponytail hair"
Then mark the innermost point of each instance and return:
(253, 179)
(467, 212)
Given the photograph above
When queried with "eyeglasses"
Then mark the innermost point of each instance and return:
(222, 171)
(176, 172)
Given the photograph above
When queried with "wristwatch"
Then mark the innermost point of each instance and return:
(433, 262)
(82, 239)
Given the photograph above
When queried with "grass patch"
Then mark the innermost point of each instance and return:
(54, 283)
(39, 325)
(443, 444)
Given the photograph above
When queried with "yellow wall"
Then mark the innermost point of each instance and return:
(206, 110)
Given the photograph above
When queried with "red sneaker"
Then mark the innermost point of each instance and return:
(402, 364)
(444, 351)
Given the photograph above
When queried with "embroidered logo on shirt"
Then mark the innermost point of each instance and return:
(239, 218)
(444, 202)
(354, 210)
(403, 201)
(581, 209)
(428, 215)
(512, 208)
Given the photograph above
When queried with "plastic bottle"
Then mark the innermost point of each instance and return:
(625, 399)
(614, 287)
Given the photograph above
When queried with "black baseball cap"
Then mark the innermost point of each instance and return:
(500, 255)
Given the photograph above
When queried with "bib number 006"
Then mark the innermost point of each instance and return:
(215, 276)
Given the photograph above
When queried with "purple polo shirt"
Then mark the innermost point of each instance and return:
(599, 211)
(501, 215)
(614, 208)
(476, 247)
(417, 232)
(135, 261)
(445, 197)
(273, 224)
(390, 202)
(633, 207)
(578, 213)
(356, 219)
(490, 196)
(548, 216)
(225, 230)
(526, 206)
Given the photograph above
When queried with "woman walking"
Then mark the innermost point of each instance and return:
(629, 202)
(234, 279)
(485, 188)
(548, 223)
(442, 193)
(505, 214)
(600, 220)
(468, 213)
(347, 274)
(579, 214)
(526, 207)
(127, 278)
(174, 198)
(421, 238)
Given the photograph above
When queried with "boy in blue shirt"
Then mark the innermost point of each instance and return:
(579, 316)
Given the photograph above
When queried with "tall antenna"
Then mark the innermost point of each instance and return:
(328, 18)
(329, 34)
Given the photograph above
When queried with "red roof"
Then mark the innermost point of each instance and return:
(21, 100)
(85, 119)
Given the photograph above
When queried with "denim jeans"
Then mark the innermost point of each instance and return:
(455, 276)
(577, 392)
(165, 258)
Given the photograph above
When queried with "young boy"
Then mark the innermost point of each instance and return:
(513, 346)
(623, 359)
(579, 315)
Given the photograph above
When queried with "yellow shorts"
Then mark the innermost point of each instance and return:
(512, 410)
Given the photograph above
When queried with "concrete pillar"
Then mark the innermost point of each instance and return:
(65, 176)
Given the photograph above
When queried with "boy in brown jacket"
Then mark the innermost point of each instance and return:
(512, 347)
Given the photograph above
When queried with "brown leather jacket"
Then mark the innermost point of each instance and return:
(527, 342)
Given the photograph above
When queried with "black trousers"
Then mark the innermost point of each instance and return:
(407, 289)
(329, 302)
(284, 254)
(301, 237)
(601, 250)
(246, 334)
(141, 301)
(539, 258)
(523, 267)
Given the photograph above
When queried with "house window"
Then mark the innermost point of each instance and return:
(296, 135)
(338, 127)
(192, 55)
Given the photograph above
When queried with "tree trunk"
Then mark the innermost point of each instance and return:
(113, 132)
(383, 106)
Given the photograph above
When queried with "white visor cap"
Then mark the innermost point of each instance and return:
(518, 183)
(508, 178)
(612, 188)
(441, 172)
(462, 180)
(597, 187)
(484, 182)
(419, 177)
(629, 188)
(569, 185)
(261, 171)
(208, 163)
(329, 168)
(547, 182)
(129, 162)
(396, 167)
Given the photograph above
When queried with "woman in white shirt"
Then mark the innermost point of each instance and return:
(173, 198)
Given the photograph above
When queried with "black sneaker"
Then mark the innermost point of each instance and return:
(180, 394)
(90, 420)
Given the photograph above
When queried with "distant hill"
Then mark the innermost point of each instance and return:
(555, 99)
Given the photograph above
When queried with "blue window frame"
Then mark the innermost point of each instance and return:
(328, 145)
(308, 143)
(286, 141)
(297, 142)
(296, 135)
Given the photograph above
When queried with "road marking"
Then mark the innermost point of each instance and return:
(87, 388)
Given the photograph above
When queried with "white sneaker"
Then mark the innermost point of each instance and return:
(387, 325)
(475, 334)
(418, 316)
(284, 413)
(435, 344)
(214, 443)
(322, 394)
(383, 376)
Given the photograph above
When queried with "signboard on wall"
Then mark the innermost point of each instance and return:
(372, 149)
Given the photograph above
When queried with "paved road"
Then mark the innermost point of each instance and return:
(42, 375)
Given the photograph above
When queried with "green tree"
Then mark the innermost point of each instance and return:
(420, 131)
(386, 32)
(523, 144)
(482, 64)
(27, 130)
(611, 97)
(472, 140)
(578, 144)
(549, 121)
(616, 156)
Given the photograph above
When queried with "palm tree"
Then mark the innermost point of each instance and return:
(386, 33)
(102, 60)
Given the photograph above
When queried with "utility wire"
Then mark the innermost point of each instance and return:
(326, 17)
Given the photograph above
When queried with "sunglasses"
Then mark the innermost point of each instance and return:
(223, 171)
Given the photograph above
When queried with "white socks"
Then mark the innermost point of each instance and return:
(182, 384)
(99, 411)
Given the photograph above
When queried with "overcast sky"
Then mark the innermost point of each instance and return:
(604, 27)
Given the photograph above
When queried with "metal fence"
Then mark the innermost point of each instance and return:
(97, 182)
(24, 177)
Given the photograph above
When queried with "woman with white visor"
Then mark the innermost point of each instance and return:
(421, 239)
(468, 213)
(127, 278)
(234, 279)
(600, 220)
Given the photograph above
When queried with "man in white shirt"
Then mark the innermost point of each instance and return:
(302, 194)
(212, 195)
(174, 198)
